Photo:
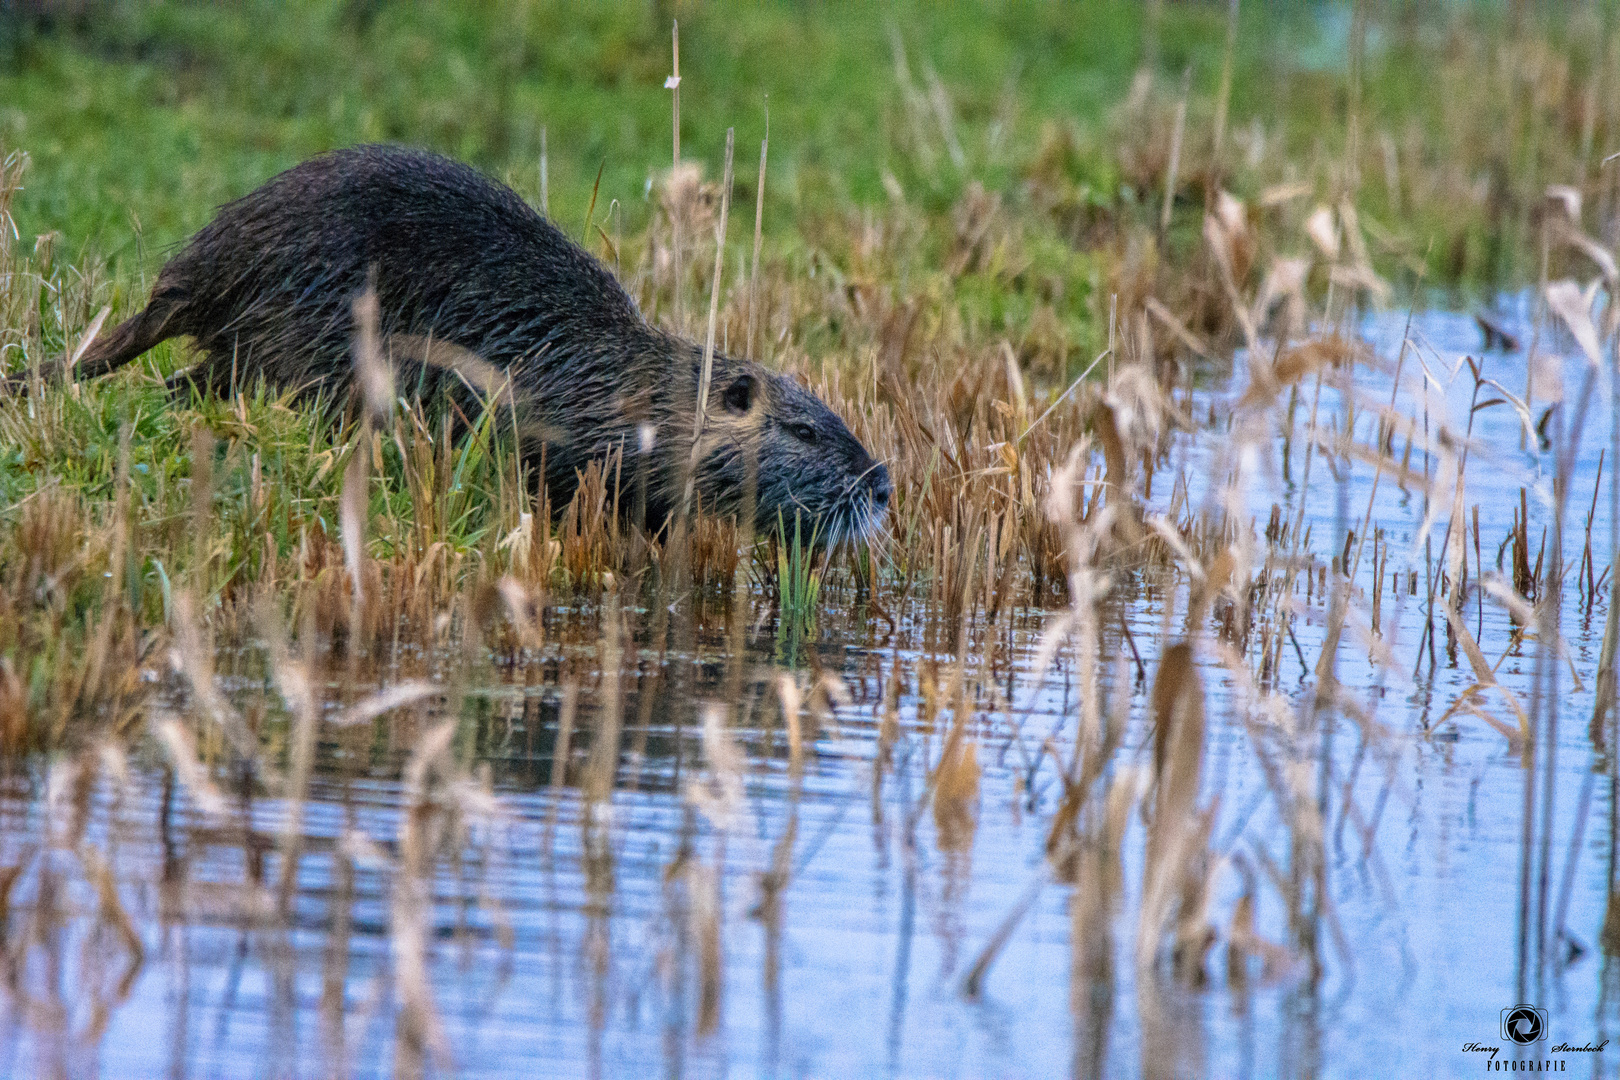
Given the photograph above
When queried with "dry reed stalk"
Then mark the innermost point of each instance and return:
(297, 690)
(673, 85)
(420, 1032)
(759, 224)
(601, 768)
(335, 965)
(972, 984)
(955, 784)
(560, 753)
(590, 208)
(1564, 437)
(88, 337)
(195, 660)
(375, 378)
(1245, 943)
(714, 293)
(1177, 833)
(182, 753)
(1378, 470)
(1091, 967)
(1358, 48)
(1226, 236)
(787, 690)
(1223, 98)
(1606, 691)
(706, 919)
(707, 369)
(772, 883)
(1175, 151)
(719, 794)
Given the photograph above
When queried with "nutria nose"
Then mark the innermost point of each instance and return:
(881, 488)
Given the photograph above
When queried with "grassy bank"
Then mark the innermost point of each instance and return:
(963, 215)
(1445, 122)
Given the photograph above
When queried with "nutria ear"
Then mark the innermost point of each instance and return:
(740, 394)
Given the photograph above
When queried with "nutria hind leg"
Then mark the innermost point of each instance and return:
(217, 374)
(229, 368)
(191, 381)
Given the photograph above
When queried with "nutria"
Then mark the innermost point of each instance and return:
(267, 289)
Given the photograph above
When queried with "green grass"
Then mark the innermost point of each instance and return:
(163, 111)
(145, 116)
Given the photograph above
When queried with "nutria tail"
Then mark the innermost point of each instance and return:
(160, 320)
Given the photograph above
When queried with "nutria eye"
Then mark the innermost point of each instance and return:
(803, 432)
(740, 394)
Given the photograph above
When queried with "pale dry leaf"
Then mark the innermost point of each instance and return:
(1601, 256)
(1574, 305)
(1324, 232)
(189, 771)
(1566, 198)
(1229, 209)
(352, 513)
(385, 701)
(1288, 191)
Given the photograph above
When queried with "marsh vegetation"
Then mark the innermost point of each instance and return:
(1234, 668)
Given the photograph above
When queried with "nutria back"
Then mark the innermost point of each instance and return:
(267, 290)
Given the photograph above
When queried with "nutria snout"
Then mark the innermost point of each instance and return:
(266, 289)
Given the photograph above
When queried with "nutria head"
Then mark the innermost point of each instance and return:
(766, 435)
(769, 445)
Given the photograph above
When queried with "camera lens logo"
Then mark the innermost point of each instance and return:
(1524, 1024)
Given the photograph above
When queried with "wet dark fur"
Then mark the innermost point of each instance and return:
(266, 290)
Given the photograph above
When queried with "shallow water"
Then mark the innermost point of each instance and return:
(572, 938)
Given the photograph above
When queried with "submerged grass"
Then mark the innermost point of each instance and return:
(205, 575)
